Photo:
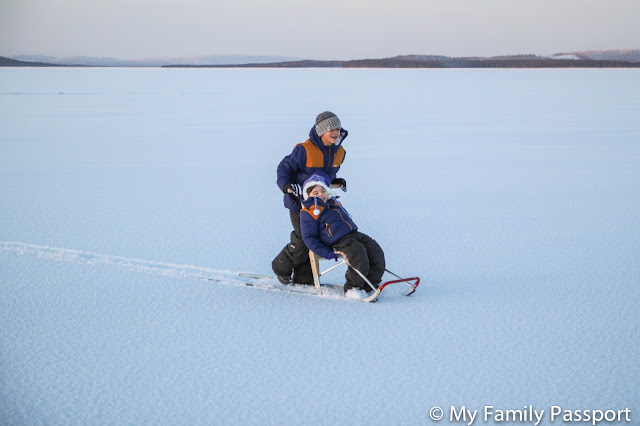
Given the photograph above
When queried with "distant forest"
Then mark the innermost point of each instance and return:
(406, 61)
(503, 62)
(8, 62)
(413, 61)
(288, 64)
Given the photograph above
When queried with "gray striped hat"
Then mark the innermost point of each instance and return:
(326, 121)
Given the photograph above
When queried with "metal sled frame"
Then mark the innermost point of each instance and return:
(315, 268)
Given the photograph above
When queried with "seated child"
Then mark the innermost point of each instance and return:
(327, 229)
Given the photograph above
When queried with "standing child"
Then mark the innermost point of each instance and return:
(323, 151)
(327, 229)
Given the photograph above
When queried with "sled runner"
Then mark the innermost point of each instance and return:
(266, 282)
(315, 268)
(324, 290)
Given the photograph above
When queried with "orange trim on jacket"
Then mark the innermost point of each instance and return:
(311, 209)
(315, 156)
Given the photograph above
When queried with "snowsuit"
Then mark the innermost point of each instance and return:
(328, 227)
(306, 158)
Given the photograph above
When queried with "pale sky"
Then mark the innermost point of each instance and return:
(317, 29)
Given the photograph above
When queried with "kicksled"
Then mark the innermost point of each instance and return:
(332, 290)
(373, 292)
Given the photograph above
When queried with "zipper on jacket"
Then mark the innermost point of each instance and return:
(330, 162)
(328, 229)
(341, 217)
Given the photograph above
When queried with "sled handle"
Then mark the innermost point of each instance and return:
(403, 280)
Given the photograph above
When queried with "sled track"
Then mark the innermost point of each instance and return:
(126, 263)
(172, 270)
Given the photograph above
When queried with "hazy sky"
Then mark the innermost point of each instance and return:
(318, 29)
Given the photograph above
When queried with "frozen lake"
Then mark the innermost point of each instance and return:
(514, 194)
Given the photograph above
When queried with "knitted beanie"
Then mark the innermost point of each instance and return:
(326, 121)
(318, 178)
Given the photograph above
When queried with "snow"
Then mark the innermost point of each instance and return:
(513, 194)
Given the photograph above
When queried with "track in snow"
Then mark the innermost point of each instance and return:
(152, 267)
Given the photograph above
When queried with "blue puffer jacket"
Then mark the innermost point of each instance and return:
(324, 224)
(309, 157)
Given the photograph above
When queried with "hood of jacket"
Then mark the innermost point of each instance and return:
(317, 141)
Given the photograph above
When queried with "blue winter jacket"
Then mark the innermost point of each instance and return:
(309, 157)
(324, 224)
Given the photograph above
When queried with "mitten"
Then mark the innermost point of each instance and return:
(341, 182)
(293, 188)
(332, 255)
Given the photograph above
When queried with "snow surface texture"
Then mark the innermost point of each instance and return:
(513, 194)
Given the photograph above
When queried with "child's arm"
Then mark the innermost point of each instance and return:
(311, 236)
(290, 166)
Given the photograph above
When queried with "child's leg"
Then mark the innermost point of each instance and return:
(377, 263)
(294, 257)
(356, 252)
(302, 265)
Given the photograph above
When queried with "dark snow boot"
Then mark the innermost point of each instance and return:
(282, 267)
(302, 274)
(284, 280)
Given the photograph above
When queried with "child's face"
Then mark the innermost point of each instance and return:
(320, 192)
(331, 137)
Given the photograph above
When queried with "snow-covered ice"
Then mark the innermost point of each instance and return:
(513, 194)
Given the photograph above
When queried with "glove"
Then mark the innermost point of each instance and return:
(340, 182)
(332, 255)
(293, 188)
